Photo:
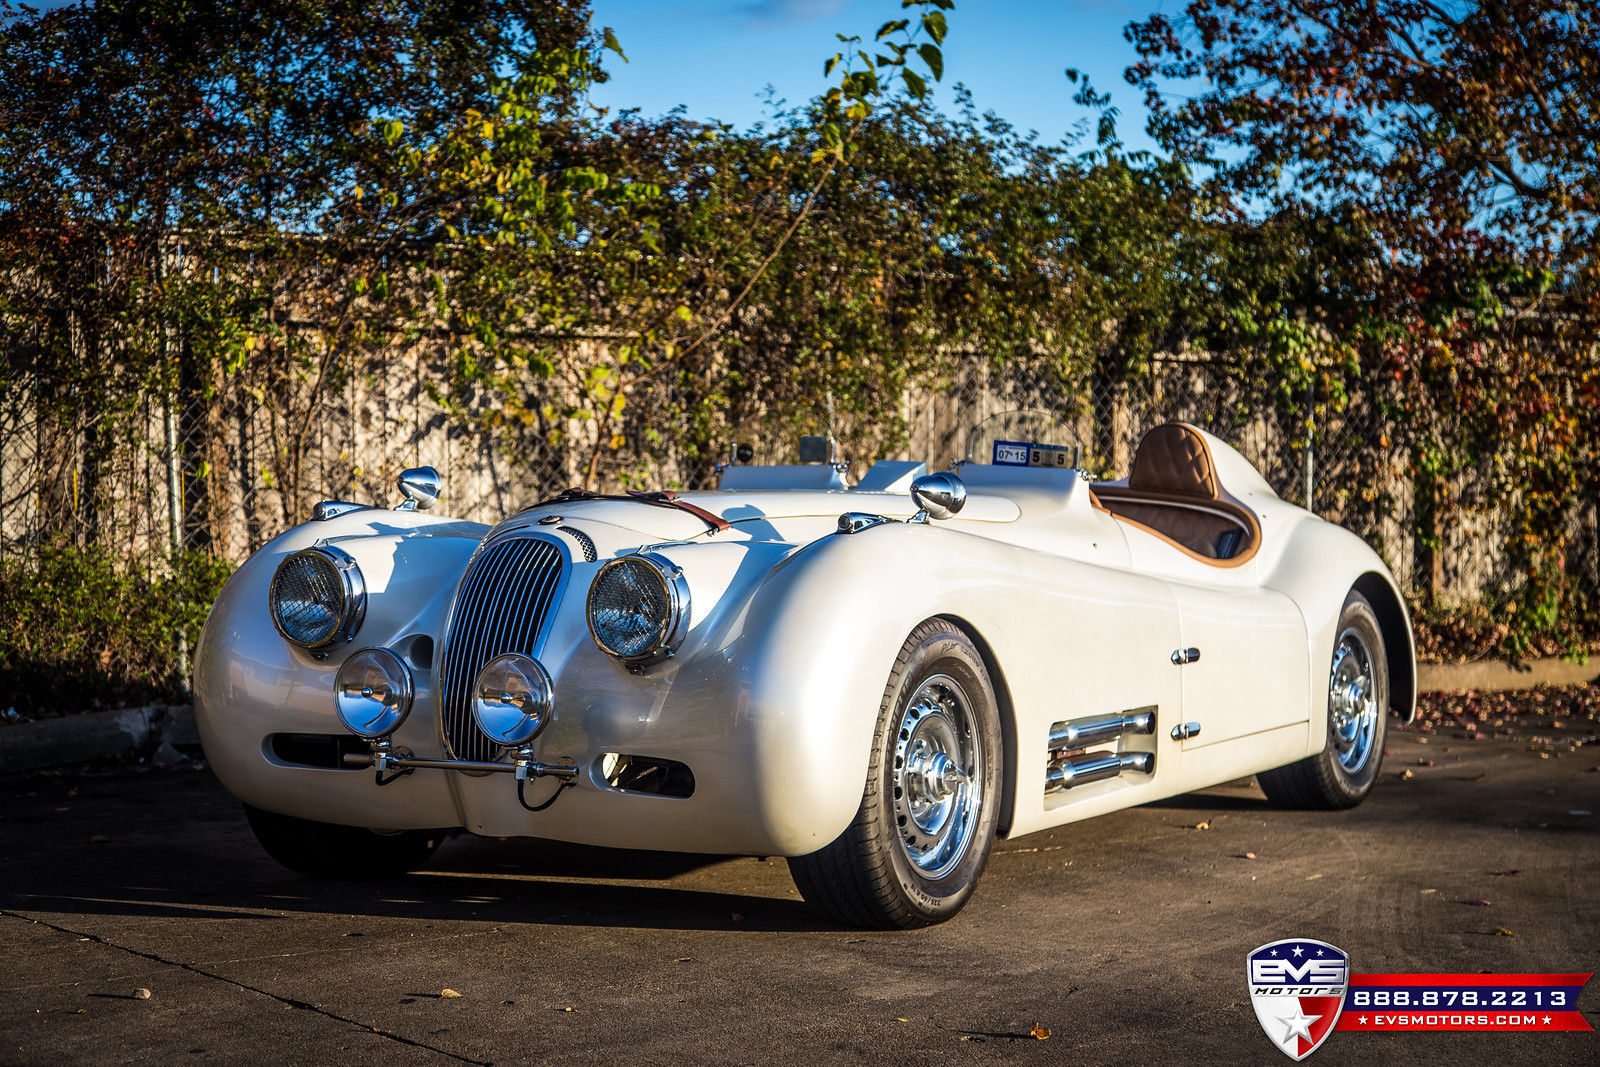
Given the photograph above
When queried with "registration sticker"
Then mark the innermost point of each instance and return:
(1011, 453)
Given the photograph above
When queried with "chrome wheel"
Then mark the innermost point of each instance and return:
(938, 776)
(1352, 702)
(922, 835)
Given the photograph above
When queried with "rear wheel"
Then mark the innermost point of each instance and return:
(926, 823)
(1342, 774)
(327, 850)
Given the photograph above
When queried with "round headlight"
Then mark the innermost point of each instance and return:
(372, 693)
(638, 607)
(318, 596)
(512, 699)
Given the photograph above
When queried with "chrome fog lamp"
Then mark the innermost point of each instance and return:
(318, 597)
(639, 608)
(372, 693)
(513, 699)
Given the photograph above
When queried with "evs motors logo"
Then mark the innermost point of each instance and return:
(1297, 988)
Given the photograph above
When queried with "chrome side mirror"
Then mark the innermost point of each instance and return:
(422, 486)
(939, 496)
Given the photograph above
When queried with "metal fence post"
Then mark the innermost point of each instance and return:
(174, 482)
(1311, 437)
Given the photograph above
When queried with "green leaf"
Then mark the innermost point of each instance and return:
(915, 84)
(609, 42)
(833, 61)
(892, 26)
(934, 23)
(934, 59)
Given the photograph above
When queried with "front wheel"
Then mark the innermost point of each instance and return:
(327, 850)
(921, 837)
(1342, 774)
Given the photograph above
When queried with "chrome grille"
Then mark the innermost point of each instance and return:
(505, 599)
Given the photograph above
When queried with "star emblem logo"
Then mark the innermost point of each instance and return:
(1297, 988)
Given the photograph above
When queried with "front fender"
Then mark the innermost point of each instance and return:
(820, 638)
(250, 683)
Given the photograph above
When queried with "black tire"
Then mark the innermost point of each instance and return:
(877, 874)
(347, 853)
(1342, 774)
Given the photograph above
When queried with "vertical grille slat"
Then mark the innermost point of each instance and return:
(505, 600)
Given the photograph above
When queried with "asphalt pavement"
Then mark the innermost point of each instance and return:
(1123, 936)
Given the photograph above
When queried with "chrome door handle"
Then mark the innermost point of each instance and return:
(1185, 655)
(1185, 731)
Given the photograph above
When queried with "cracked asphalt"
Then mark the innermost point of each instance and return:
(1125, 935)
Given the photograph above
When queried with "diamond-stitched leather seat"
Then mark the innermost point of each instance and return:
(1172, 460)
(1174, 493)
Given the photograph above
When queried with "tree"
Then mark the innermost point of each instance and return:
(181, 187)
(1458, 139)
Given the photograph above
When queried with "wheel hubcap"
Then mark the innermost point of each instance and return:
(1352, 703)
(938, 777)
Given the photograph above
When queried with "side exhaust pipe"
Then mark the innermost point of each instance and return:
(1095, 767)
(1081, 768)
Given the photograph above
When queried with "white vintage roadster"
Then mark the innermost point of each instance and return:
(875, 681)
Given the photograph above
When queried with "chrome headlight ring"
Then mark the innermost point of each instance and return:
(638, 608)
(318, 597)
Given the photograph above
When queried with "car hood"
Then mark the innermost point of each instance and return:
(764, 515)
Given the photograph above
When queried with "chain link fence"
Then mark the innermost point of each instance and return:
(222, 464)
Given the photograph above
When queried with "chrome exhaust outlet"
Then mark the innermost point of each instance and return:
(1095, 767)
(1081, 733)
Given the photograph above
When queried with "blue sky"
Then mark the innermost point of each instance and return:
(716, 56)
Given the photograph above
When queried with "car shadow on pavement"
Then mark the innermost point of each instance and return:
(213, 870)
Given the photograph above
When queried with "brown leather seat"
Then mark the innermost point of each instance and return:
(1173, 460)
(1173, 492)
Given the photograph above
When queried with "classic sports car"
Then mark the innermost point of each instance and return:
(875, 681)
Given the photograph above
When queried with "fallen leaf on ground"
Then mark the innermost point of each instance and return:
(1202, 826)
(1478, 902)
(569, 1009)
(1504, 874)
(1247, 855)
(1501, 931)
(1425, 763)
(1430, 890)
(448, 994)
(737, 917)
(141, 993)
(98, 839)
(1040, 1032)
(1407, 774)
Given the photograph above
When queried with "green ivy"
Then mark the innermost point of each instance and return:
(80, 630)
